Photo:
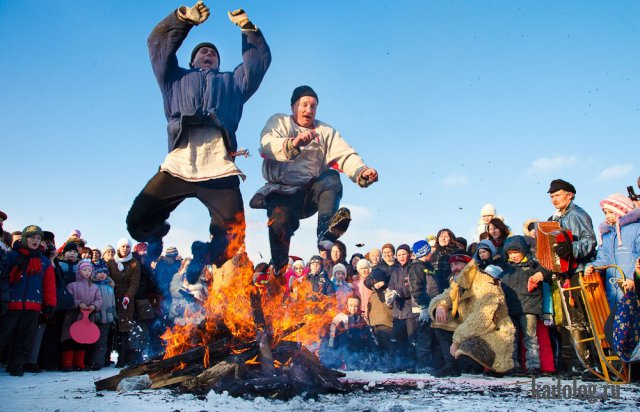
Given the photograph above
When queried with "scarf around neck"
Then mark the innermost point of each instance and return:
(28, 262)
(120, 260)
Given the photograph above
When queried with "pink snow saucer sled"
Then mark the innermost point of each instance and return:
(83, 330)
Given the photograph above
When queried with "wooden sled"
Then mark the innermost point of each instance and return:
(611, 368)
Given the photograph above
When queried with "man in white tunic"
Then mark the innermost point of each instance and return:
(302, 157)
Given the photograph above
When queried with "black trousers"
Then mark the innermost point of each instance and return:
(285, 211)
(147, 218)
(17, 333)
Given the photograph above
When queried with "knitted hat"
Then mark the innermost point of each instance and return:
(618, 203)
(83, 264)
(460, 256)
(404, 247)
(75, 233)
(363, 264)
(315, 259)
(100, 268)
(339, 267)
(198, 47)
(49, 236)
(70, 246)
(517, 243)
(421, 248)
(298, 263)
(171, 252)
(31, 230)
(301, 91)
(488, 210)
(559, 184)
(140, 247)
(108, 248)
(122, 242)
(493, 271)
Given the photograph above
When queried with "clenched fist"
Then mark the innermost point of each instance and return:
(240, 19)
(195, 15)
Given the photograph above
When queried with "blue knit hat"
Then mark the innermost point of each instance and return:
(421, 248)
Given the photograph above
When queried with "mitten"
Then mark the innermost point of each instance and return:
(240, 19)
(197, 14)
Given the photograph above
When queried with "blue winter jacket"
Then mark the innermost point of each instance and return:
(579, 223)
(625, 256)
(204, 97)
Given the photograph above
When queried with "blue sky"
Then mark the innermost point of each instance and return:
(456, 104)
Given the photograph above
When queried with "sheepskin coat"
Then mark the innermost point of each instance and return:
(482, 328)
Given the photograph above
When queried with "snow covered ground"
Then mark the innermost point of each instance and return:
(373, 391)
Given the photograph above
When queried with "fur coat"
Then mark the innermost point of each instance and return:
(479, 318)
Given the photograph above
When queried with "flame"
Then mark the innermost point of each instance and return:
(229, 303)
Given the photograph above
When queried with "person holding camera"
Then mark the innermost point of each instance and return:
(301, 155)
(203, 106)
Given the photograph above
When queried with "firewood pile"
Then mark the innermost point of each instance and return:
(246, 371)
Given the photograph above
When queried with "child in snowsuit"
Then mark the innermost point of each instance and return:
(105, 316)
(522, 287)
(86, 296)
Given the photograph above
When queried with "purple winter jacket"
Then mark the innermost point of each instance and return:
(84, 291)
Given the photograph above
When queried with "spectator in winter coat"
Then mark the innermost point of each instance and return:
(474, 306)
(423, 287)
(485, 255)
(124, 269)
(68, 262)
(27, 290)
(620, 246)
(445, 246)
(405, 321)
(363, 268)
(522, 285)
(86, 297)
(203, 107)
(350, 338)
(487, 213)
(374, 256)
(380, 318)
(300, 157)
(340, 285)
(580, 251)
(498, 233)
(105, 316)
(320, 282)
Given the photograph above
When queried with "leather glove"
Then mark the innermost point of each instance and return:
(195, 15)
(564, 250)
(125, 302)
(4, 307)
(240, 19)
(424, 315)
(389, 296)
(48, 312)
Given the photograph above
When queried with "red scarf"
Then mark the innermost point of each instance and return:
(29, 261)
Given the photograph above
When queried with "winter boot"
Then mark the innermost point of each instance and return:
(449, 369)
(67, 361)
(339, 222)
(78, 360)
